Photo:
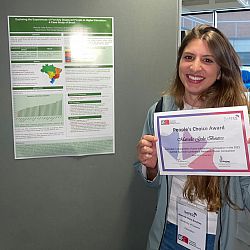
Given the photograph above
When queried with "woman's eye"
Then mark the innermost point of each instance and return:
(207, 60)
(188, 57)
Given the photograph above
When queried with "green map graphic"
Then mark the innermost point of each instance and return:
(52, 71)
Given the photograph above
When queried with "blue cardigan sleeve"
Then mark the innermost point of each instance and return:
(245, 189)
(148, 130)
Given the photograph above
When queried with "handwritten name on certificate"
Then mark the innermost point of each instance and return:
(209, 141)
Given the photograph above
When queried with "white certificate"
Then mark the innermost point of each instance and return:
(209, 141)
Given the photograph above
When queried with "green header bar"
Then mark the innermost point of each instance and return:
(83, 102)
(35, 88)
(35, 34)
(36, 48)
(37, 61)
(60, 24)
(85, 94)
(23, 48)
(85, 117)
(69, 34)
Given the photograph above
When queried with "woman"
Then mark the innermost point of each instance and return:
(207, 76)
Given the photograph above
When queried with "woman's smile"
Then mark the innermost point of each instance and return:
(196, 79)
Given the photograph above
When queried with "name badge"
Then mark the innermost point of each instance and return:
(192, 225)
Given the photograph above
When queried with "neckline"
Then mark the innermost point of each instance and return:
(188, 106)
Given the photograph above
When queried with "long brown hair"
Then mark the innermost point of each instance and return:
(227, 91)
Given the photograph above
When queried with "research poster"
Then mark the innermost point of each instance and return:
(62, 85)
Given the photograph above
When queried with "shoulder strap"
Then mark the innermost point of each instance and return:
(158, 107)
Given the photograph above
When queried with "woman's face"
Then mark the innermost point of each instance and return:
(198, 70)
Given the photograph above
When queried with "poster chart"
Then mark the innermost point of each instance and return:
(62, 85)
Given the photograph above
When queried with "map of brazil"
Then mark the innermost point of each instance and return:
(52, 71)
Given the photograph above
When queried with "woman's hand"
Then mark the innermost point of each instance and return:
(146, 152)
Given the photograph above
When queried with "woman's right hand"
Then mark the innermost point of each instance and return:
(146, 152)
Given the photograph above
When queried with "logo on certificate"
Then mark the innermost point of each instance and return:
(232, 118)
(165, 122)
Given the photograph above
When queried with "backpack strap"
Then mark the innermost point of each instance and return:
(158, 107)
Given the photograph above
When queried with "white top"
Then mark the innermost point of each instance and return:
(178, 183)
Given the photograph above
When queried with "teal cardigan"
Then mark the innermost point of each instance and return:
(233, 226)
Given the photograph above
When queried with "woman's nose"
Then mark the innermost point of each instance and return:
(195, 65)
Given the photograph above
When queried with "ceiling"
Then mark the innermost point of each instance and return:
(200, 5)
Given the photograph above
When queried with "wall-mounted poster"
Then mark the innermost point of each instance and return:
(62, 85)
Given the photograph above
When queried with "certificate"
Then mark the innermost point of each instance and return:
(210, 141)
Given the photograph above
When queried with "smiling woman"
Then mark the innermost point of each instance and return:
(207, 76)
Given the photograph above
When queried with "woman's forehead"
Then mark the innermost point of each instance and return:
(198, 46)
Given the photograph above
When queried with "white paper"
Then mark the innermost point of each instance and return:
(203, 141)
